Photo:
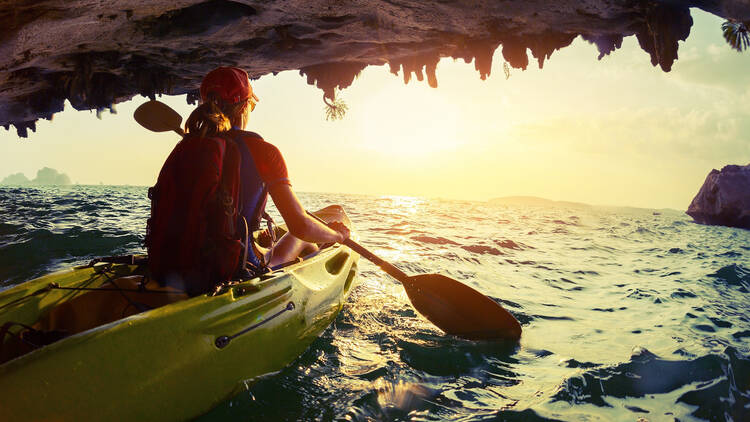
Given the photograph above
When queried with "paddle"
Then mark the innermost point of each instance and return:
(452, 306)
(158, 117)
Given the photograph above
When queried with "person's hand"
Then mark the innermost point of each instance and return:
(341, 229)
(264, 238)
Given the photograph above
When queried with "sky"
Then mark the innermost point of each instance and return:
(612, 132)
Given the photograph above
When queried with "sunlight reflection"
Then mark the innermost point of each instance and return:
(401, 397)
(402, 204)
(401, 209)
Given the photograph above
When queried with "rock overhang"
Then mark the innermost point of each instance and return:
(96, 54)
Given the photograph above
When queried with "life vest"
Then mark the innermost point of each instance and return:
(194, 236)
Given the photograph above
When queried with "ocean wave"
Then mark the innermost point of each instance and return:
(7, 228)
(455, 357)
(733, 275)
(509, 244)
(719, 385)
(33, 251)
(482, 249)
(434, 240)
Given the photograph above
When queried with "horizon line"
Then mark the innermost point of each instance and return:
(545, 201)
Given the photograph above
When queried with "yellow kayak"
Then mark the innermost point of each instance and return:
(102, 342)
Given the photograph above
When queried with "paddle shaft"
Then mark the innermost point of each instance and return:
(384, 265)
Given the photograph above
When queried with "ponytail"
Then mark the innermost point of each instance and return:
(213, 117)
(207, 120)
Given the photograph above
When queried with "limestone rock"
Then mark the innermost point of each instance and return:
(724, 198)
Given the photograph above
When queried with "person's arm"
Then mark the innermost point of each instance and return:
(300, 224)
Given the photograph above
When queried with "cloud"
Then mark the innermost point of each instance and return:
(719, 133)
(716, 65)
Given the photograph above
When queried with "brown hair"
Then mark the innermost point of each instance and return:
(214, 117)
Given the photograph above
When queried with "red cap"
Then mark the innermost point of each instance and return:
(231, 84)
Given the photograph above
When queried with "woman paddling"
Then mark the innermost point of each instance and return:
(211, 204)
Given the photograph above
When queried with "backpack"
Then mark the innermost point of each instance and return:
(194, 236)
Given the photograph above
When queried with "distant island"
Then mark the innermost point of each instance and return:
(536, 201)
(44, 176)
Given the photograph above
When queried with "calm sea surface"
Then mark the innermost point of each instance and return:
(627, 313)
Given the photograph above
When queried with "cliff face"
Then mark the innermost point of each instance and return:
(96, 54)
(724, 198)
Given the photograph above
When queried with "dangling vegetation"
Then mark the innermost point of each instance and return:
(335, 107)
(736, 34)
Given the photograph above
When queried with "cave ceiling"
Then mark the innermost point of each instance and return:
(96, 54)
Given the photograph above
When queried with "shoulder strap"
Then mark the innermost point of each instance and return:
(232, 154)
(247, 194)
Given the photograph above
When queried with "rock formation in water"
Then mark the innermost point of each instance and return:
(724, 198)
(96, 54)
(44, 176)
(15, 179)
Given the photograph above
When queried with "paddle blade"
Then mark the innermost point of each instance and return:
(158, 117)
(460, 310)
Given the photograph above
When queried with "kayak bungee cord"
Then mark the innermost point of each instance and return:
(55, 286)
(105, 270)
(47, 288)
(223, 341)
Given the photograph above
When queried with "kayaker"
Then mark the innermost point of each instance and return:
(227, 100)
(212, 190)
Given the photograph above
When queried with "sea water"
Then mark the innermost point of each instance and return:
(628, 314)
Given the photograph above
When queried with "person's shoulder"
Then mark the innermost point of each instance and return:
(257, 143)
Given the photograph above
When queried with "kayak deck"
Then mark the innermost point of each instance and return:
(183, 354)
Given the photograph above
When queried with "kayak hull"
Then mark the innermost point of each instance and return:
(177, 361)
